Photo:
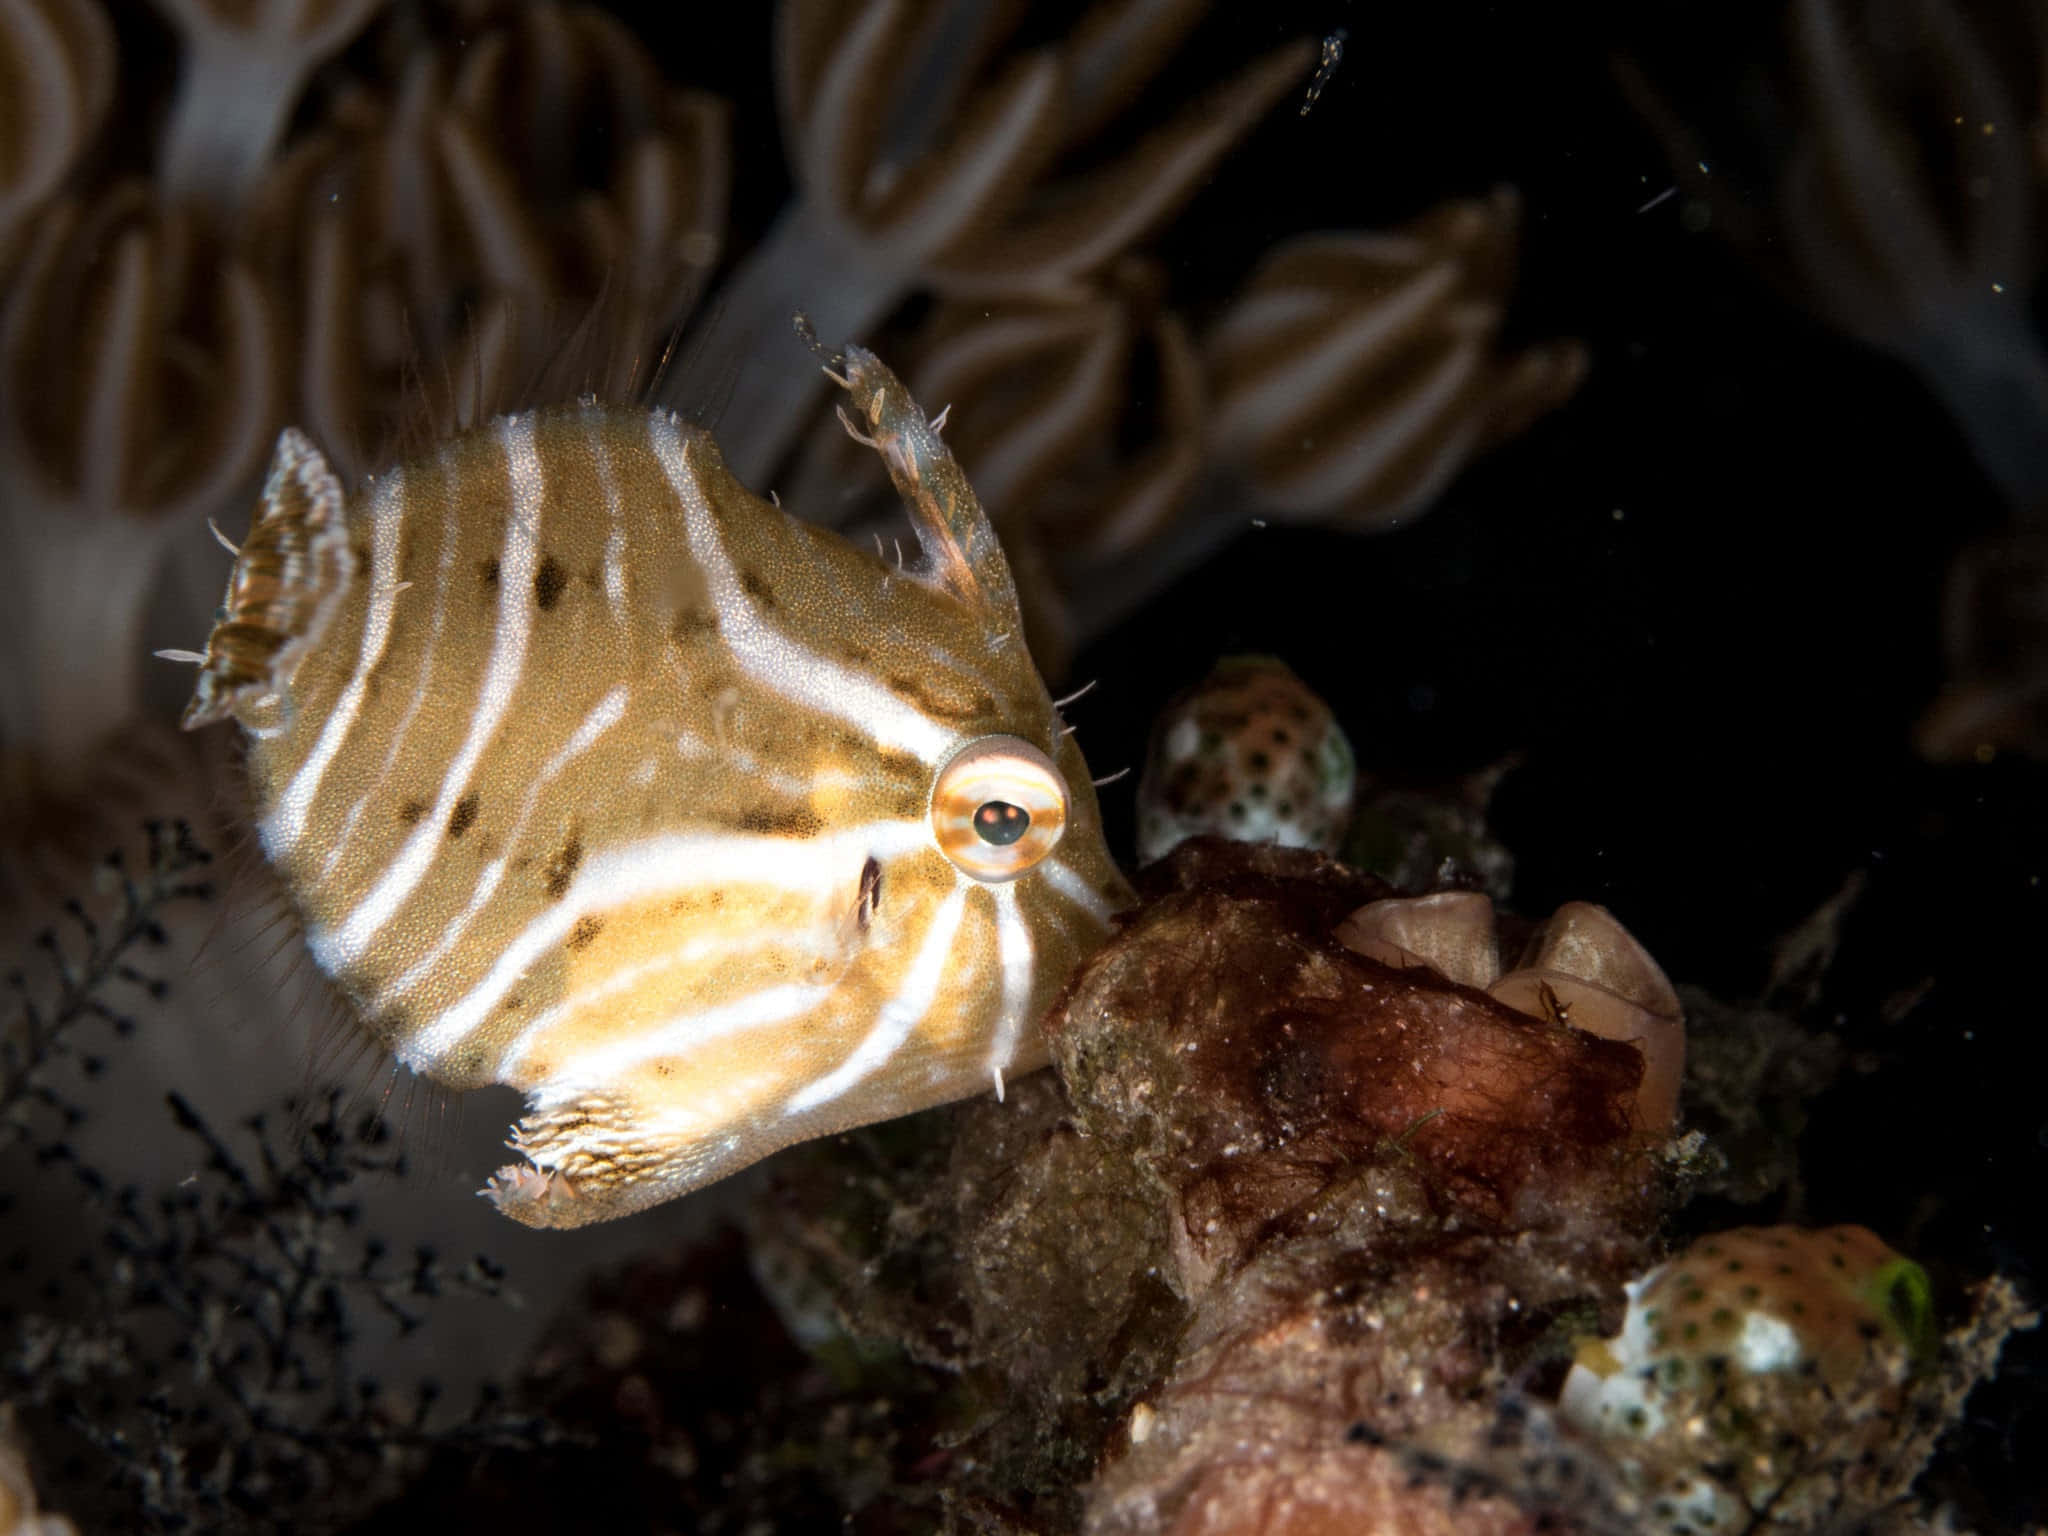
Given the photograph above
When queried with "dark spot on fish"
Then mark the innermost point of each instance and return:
(856, 653)
(870, 900)
(914, 689)
(411, 811)
(757, 587)
(548, 582)
(585, 932)
(488, 569)
(592, 578)
(901, 765)
(561, 867)
(690, 622)
(463, 817)
(801, 822)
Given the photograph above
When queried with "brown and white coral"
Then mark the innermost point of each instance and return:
(385, 238)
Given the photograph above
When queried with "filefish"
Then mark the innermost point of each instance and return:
(589, 772)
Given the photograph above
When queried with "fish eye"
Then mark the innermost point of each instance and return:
(998, 807)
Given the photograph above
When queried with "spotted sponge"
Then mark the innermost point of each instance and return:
(1757, 1376)
(1251, 754)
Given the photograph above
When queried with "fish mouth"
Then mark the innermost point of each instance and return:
(590, 1158)
(535, 1190)
(575, 1165)
(530, 1194)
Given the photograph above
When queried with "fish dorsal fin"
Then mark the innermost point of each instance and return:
(289, 574)
(962, 555)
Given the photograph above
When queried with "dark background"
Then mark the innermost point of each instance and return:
(1701, 600)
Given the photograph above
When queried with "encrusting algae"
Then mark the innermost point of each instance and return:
(1304, 1240)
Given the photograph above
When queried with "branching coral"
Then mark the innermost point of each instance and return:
(417, 255)
(436, 247)
(406, 265)
(205, 1360)
(914, 171)
(137, 392)
(56, 77)
(78, 970)
(1357, 373)
(1348, 383)
(244, 68)
(1903, 211)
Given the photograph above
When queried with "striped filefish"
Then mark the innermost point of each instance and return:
(591, 773)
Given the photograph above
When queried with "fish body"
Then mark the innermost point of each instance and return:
(591, 773)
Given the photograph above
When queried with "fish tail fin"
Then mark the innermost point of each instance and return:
(289, 574)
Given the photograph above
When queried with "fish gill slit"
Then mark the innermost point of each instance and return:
(869, 901)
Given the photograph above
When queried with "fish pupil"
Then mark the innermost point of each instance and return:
(1000, 823)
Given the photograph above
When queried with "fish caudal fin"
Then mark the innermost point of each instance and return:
(289, 575)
